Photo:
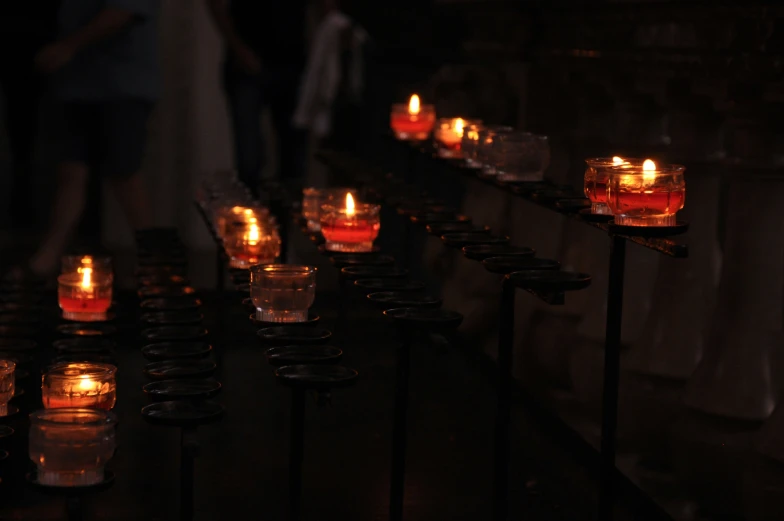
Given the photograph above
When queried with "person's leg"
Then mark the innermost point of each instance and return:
(292, 142)
(244, 98)
(72, 177)
(124, 126)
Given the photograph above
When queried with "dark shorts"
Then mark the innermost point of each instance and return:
(108, 136)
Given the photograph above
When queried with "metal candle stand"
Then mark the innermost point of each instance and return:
(305, 368)
(177, 352)
(569, 202)
(408, 322)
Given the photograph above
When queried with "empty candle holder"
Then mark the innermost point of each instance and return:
(282, 292)
(71, 446)
(647, 194)
(519, 156)
(7, 384)
(597, 174)
(473, 136)
(412, 121)
(79, 384)
(351, 229)
(85, 296)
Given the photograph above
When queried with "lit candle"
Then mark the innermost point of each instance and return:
(646, 195)
(85, 296)
(413, 121)
(79, 384)
(595, 186)
(350, 229)
(252, 243)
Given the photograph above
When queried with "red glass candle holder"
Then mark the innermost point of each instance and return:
(596, 175)
(314, 198)
(347, 231)
(448, 135)
(85, 296)
(231, 216)
(7, 384)
(252, 243)
(641, 196)
(79, 384)
(412, 122)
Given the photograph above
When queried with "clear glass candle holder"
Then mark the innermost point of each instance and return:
(519, 156)
(314, 198)
(79, 384)
(85, 296)
(7, 384)
(252, 243)
(349, 232)
(473, 136)
(410, 126)
(641, 197)
(448, 135)
(70, 446)
(597, 172)
(282, 292)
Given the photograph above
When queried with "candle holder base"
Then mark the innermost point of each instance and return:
(325, 251)
(617, 228)
(281, 316)
(106, 480)
(11, 410)
(349, 247)
(85, 316)
(86, 329)
(293, 335)
(299, 355)
(645, 220)
(181, 368)
(411, 136)
(173, 333)
(262, 320)
(165, 390)
(50, 478)
(588, 215)
(600, 209)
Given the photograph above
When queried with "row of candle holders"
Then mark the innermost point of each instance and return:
(633, 192)
(518, 268)
(280, 296)
(180, 365)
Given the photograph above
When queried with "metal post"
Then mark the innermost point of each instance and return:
(296, 451)
(503, 413)
(612, 356)
(399, 430)
(188, 447)
(341, 327)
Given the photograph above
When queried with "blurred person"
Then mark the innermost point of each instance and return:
(104, 72)
(25, 27)
(333, 83)
(265, 55)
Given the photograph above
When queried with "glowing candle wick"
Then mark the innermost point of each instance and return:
(350, 210)
(413, 105)
(87, 278)
(648, 171)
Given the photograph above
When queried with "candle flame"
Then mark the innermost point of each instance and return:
(648, 170)
(350, 210)
(86, 384)
(253, 234)
(459, 126)
(87, 260)
(413, 105)
(618, 160)
(87, 278)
